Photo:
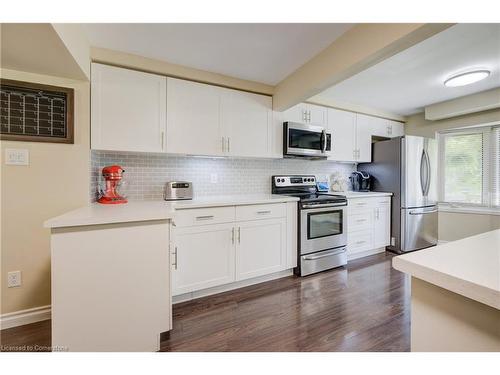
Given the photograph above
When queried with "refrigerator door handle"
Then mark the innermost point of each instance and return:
(423, 166)
(423, 212)
(428, 173)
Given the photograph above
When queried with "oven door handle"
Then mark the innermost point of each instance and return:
(324, 205)
(330, 253)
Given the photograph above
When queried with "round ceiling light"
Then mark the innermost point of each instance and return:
(468, 78)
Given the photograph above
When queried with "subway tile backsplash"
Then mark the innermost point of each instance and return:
(146, 174)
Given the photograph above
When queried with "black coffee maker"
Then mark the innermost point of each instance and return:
(360, 181)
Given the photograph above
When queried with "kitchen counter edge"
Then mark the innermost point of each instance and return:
(136, 211)
(429, 265)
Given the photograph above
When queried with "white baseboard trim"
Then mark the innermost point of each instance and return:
(366, 253)
(22, 317)
(227, 287)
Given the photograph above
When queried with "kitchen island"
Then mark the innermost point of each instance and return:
(112, 265)
(455, 301)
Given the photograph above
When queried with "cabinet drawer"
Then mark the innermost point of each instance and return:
(359, 221)
(383, 201)
(359, 241)
(359, 204)
(260, 211)
(203, 216)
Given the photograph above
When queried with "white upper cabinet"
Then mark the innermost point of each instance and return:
(193, 118)
(209, 120)
(317, 115)
(379, 126)
(128, 110)
(385, 128)
(395, 128)
(246, 123)
(364, 134)
(342, 126)
(305, 113)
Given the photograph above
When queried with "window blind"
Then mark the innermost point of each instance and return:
(495, 167)
(463, 168)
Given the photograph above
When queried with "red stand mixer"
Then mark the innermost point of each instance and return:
(113, 175)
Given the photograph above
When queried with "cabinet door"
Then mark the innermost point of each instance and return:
(204, 257)
(364, 138)
(382, 225)
(260, 247)
(396, 128)
(379, 126)
(246, 123)
(342, 125)
(128, 110)
(316, 115)
(295, 114)
(193, 118)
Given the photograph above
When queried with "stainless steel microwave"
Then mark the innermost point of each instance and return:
(310, 141)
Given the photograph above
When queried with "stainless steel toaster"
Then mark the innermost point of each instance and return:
(178, 190)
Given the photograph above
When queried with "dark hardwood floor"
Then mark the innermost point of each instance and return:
(363, 307)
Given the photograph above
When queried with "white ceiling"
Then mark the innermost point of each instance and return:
(413, 79)
(265, 53)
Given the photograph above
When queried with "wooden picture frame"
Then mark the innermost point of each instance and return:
(68, 118)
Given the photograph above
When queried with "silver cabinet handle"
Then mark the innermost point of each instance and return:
(232, 236)
(162, 141)
(360, 220)
(207, 217)
(239, 234)
(223, 144)
(175, 263)
(228, 144)
(360, 242)
(264, 212)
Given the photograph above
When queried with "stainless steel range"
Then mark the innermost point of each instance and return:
(322, 224)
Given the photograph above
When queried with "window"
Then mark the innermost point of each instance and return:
(470, 166)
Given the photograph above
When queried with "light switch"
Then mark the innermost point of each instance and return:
(17, 156)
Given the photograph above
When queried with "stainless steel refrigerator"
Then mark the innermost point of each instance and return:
(407, 167)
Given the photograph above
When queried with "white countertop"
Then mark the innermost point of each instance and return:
(469, 267)
(362, 194)
(95, 214)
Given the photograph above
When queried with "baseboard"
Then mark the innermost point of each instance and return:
(365, 253)
(22, 317)
(227, 287)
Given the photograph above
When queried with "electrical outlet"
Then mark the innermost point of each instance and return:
(213, 178)
(14, 279)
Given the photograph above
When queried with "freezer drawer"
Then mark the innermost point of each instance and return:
(419, 228)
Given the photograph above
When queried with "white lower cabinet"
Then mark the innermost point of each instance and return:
(260, 248)
(203, 257)
(232, 244)
(368, 226)
(382, 223)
